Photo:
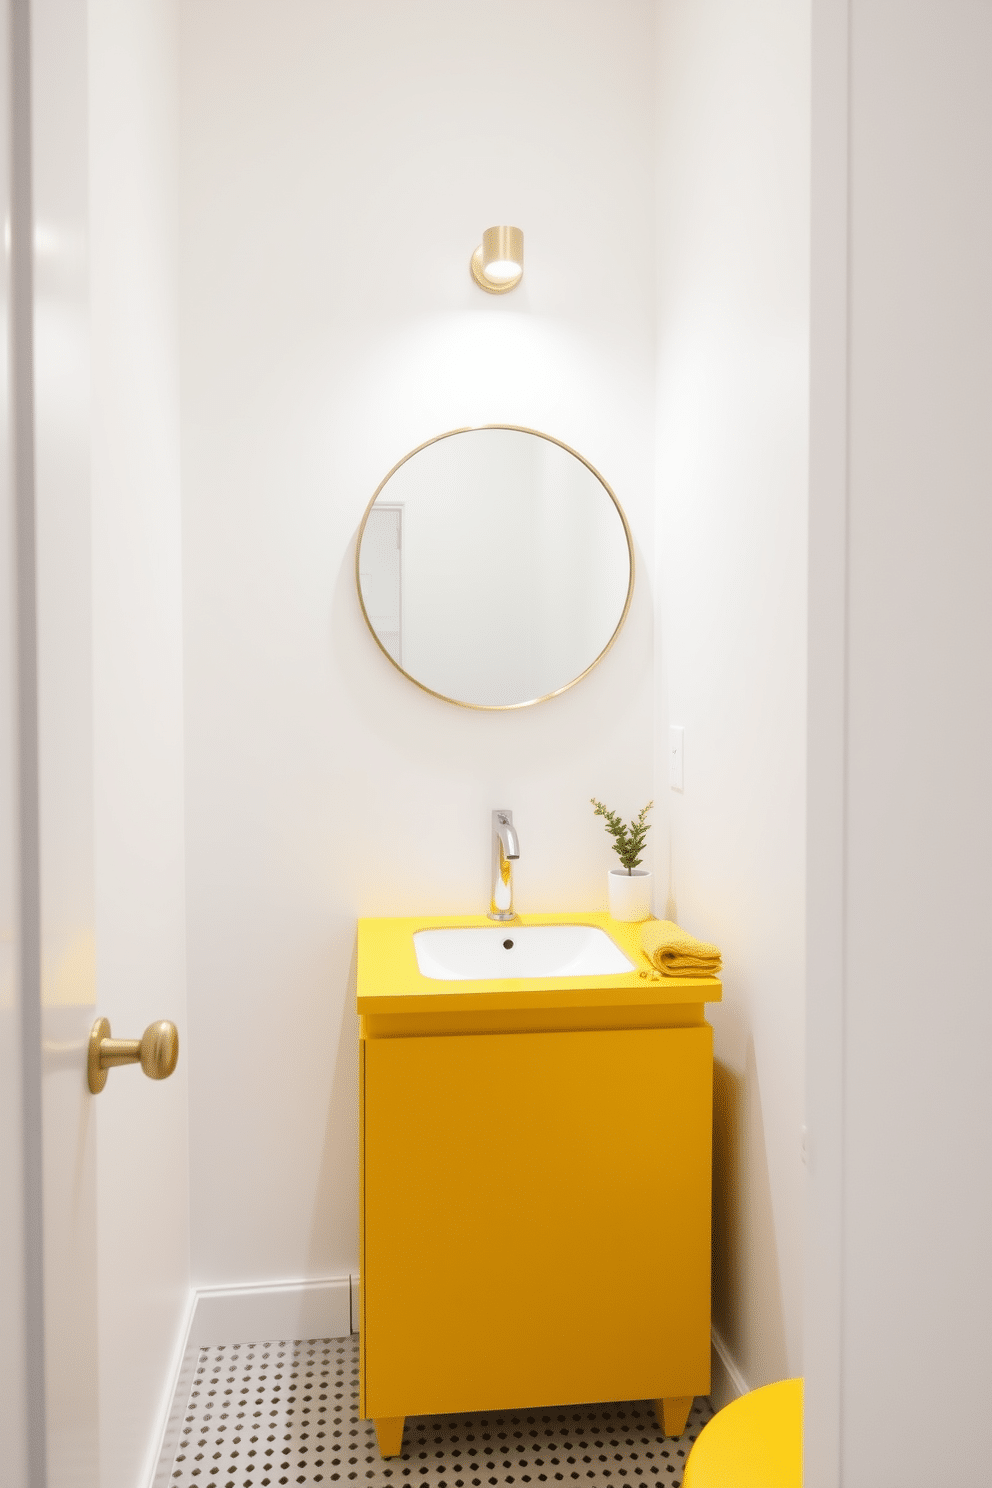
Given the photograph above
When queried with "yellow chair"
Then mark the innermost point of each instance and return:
(755, 1442)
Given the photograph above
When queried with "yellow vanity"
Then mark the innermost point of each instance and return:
(535, 1183)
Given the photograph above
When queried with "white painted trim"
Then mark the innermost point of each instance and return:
(250, 1314)
(726, 1381)
(826, 750)
(356, 1305)
(286, 1309)
(172, 1379)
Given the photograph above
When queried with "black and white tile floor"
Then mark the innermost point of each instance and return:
(271, 1415)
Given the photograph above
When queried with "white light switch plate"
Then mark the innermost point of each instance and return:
(675, 740)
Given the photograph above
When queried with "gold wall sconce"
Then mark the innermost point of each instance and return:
(498, 263)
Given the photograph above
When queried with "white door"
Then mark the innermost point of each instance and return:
(94, 1267)
(64, 651)
(49, 835)
(19, 1302)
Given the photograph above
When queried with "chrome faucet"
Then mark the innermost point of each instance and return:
(505, 848)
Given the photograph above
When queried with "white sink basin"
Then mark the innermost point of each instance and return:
(480, 954)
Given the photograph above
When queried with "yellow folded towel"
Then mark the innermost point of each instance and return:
(677, 954)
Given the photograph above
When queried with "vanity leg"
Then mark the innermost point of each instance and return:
(389, 1434)
(673, 1413)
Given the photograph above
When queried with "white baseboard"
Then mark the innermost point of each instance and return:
(247, 1314)
(324, 1309)
(356, 1311)
(288, 1309)
(726, 1381)
(167, 1431)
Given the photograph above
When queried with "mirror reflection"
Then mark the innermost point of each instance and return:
(494, 566)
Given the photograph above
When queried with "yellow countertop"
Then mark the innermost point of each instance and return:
(389, 980)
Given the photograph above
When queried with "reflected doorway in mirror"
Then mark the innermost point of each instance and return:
(381, 576)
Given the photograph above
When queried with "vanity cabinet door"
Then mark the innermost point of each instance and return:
(536, 1219)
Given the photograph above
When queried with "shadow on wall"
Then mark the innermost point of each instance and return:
(745, 1254)
(339, 1152)
(338, 1172)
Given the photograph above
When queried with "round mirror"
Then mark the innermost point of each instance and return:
(494, 566)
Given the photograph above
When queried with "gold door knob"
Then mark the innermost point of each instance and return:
(156, 1051)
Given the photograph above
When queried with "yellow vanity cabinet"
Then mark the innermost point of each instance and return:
(536, 1171)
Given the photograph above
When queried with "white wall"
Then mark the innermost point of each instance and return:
(339, 163)
(142, 1158)
(900, 1102)
(732, 140)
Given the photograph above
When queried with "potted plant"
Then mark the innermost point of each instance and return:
(628, 887)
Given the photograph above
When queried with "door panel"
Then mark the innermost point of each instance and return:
(14, 1290)
(537, 1219)
(93, 676)
(48, 982)
(65, 732)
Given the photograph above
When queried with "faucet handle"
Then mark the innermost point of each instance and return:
(503, 829)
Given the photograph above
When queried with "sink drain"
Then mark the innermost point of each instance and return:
(508, 945)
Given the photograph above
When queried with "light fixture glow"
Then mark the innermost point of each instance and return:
(498, 263)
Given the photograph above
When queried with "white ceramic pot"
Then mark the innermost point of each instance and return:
(629, 893)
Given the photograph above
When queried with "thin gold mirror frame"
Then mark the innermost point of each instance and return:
(529, 702)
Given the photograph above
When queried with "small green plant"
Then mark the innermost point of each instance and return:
(627, 841)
